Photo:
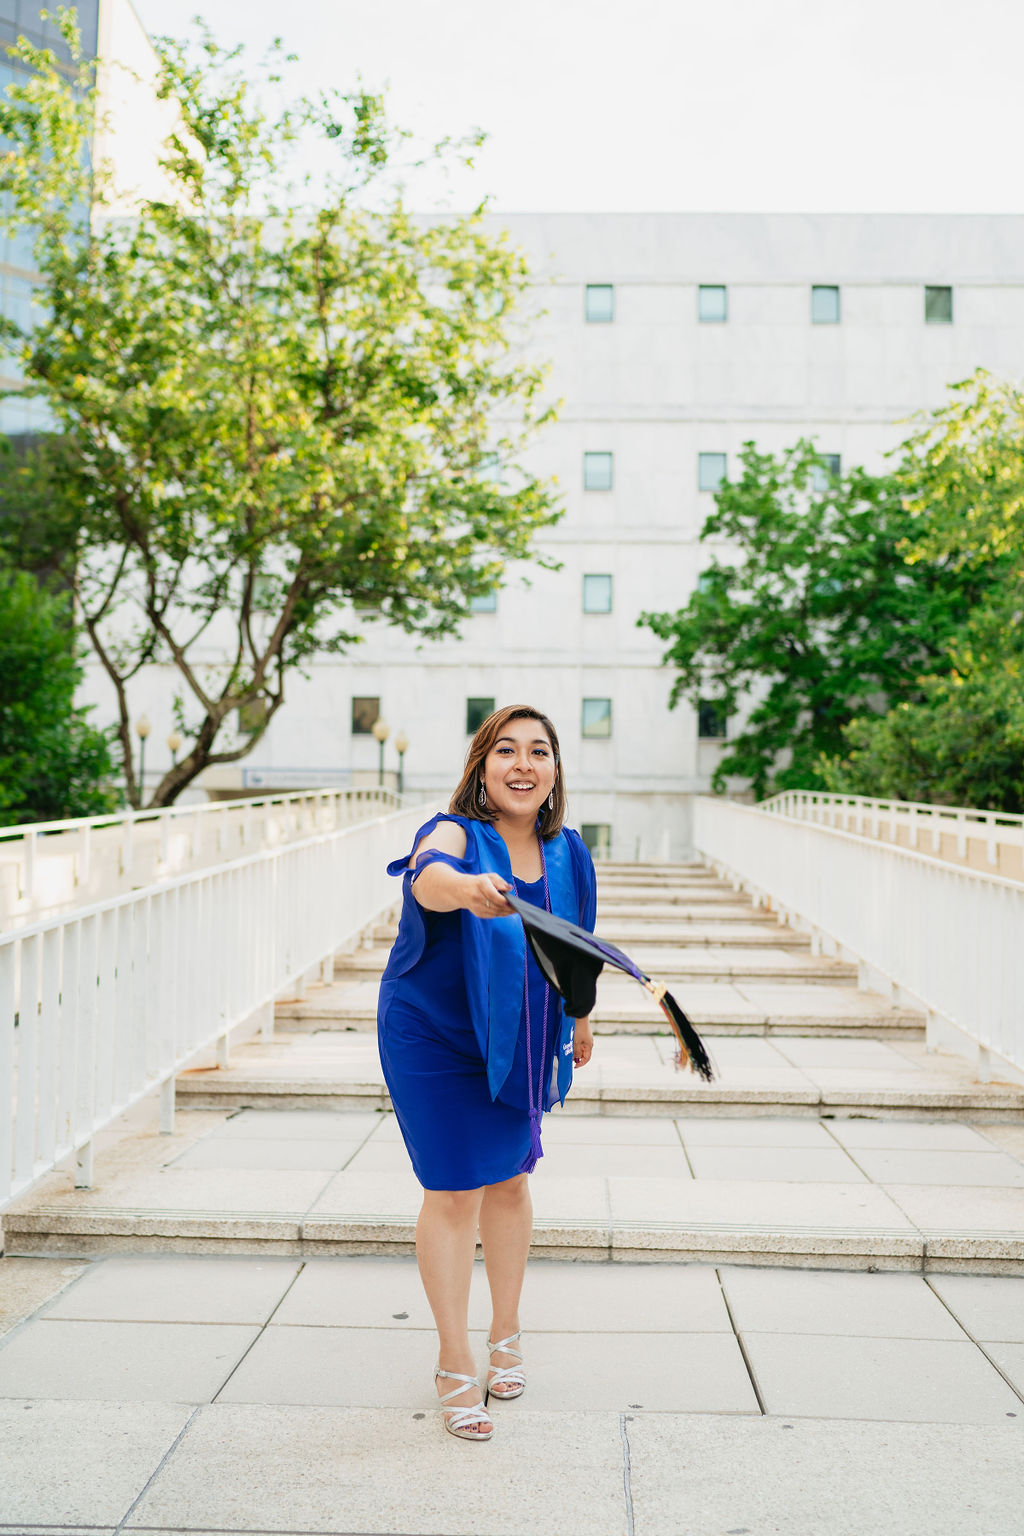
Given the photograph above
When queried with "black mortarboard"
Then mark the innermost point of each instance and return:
(572, 959)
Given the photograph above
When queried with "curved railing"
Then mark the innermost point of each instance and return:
(49, 865)
(959, 833)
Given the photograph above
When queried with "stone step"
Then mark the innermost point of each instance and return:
(720, 1007)
(761, 931)
(636, 1076)
(927, 1196)
(671, 964)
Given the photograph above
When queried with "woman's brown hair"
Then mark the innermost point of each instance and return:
(465, 800)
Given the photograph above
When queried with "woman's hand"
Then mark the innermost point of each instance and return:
(482, 896)
(583, 1043)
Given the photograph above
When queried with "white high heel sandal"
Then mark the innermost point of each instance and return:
(457, 1421)
(512, 1375)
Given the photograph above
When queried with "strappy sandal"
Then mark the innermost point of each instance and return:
(512, 1375)
(457, 1421)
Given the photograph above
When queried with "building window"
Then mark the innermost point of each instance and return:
(599, 303)
(597, 471)
(486, 602)
(712, 721)
(477, 711)
(711, 303)
(825, 305)
(597, 717)
(597, 835)
(938, 306)
(710, 471)
(365, 714)
(597, 594)
(823, 474)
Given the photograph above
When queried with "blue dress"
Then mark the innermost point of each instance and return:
(451, 1020)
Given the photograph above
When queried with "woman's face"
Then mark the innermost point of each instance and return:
(519, 770)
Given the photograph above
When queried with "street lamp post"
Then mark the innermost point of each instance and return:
(174, 745)
(381, 731)
(401, 747)
(142, 730)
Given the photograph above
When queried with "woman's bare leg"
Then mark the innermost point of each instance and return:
(445, 1249)
(506, 1227)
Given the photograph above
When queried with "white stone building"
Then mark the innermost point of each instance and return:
(722, 328)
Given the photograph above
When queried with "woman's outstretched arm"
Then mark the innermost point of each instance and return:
(440, 888)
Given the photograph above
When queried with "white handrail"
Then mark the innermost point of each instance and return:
(173, 839)
(865, 815)
(948, 937)
(102, 1005)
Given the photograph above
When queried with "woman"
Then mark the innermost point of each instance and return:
(474, 1044)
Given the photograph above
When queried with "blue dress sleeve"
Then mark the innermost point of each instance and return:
(412, 925)
(431, 855)
(585, 877)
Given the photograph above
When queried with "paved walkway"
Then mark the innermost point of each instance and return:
(209, 1394)
(227, 1333)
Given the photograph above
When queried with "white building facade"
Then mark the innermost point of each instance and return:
(674, 339)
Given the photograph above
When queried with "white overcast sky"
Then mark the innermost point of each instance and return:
(632, 105)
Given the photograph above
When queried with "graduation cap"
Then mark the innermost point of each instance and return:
(572, 959)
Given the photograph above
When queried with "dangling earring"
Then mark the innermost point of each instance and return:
(482, 796)
(551, 801)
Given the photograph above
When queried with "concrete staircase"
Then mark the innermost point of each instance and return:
(831, 1138)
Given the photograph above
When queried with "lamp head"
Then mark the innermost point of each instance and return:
(381, 730)
(174, 741)
(401, 743)
(142, 727)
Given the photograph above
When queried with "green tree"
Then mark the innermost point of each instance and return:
(962, 479)
(814, 617)
(275, 401)
(53, 763)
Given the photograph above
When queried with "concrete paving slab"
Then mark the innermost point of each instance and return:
(368, 1292)
(1010, 1360)
(248, 1152)
(784, 1165)
(928, 1381)
(763, 1132)
(561, 1129)
(821, 1004)
(1009, 1137)
(947, 1215)
(240, 1191)
(121, 1362)
(911, 1135)
(178, 1289)
(335, 1469)
(777, 1217)
(697, 1476)
(821, 1051)
(988, 1306)
(658, 1372)
(573, 1160)
(364, 1194)
(381, 1157)
(883, 1306)
(27, 1283)
(622, 1299)
(65, 1468)
(912, 1166)
(341, 1367)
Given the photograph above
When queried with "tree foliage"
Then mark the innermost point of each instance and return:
(53, 763)
(962, 741)
(274, 401)
(811, 616)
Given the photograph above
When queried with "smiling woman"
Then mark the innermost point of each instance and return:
(474, 1043)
